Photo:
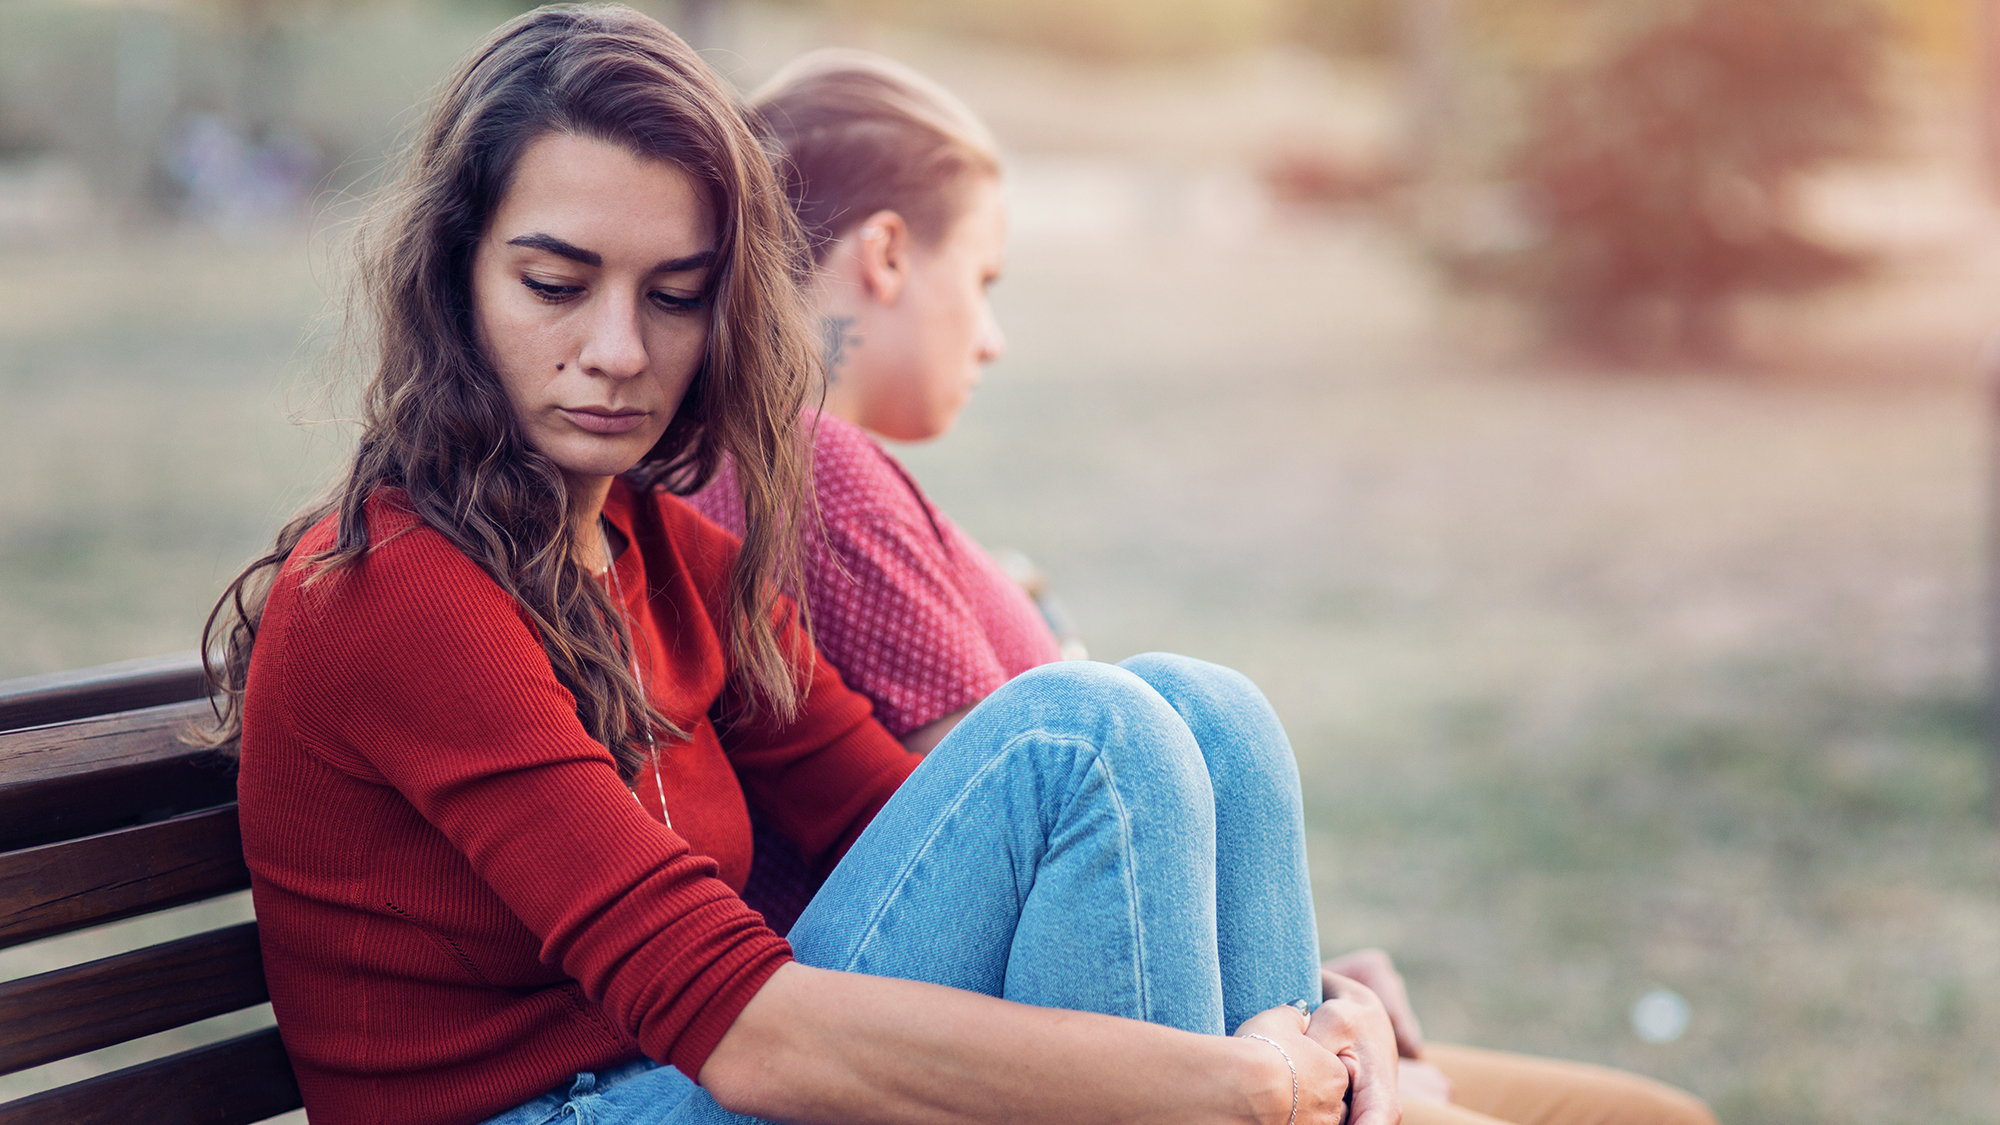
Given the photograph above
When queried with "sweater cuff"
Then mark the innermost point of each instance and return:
(698, 1041)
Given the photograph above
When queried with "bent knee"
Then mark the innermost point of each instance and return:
(1171, 673)
(1237, 729)
(1084, 694)
(1125, 721)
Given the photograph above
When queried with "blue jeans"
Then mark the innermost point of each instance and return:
(1120, 839)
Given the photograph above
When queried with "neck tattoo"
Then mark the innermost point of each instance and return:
(836, 334)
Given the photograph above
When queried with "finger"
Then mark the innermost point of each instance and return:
(1402, 1018)
(1373, 1066)
(1342, 987)
(1336, 1025)
(1374, 1104)
(1324, 1084)
(1374, 1093)
(1283, 1019)
(1387, 985)
(1409, 1033)
(1371, 967)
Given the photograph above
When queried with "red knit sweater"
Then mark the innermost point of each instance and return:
(460, 904)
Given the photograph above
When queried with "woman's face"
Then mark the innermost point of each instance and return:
(925, 352)
(587, 299)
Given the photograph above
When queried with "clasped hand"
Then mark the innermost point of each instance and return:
(1372, 967)
(1344, 1054)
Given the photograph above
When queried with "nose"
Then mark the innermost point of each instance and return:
(613, 344)
(991, 343)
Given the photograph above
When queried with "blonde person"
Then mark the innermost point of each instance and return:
(499, 703)
(898, 187)
(897, 184)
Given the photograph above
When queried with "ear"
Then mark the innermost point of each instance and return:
(882, 247)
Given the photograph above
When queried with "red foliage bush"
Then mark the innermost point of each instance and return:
(1661, 177)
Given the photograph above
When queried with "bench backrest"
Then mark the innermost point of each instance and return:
(105, 814)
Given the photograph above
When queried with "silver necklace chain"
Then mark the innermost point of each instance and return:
(638, 677)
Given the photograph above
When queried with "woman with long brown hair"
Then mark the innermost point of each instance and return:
(501, 702)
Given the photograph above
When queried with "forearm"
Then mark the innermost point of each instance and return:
(824, 1048)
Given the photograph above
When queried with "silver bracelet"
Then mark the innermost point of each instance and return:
(1294, 1119)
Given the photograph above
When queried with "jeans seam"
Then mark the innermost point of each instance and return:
(958, 801)
(917, 853)
(1140, 976)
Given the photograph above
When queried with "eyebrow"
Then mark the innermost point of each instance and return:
(700, 261)
(554, 245)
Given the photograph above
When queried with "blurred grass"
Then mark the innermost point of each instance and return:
(146, 442)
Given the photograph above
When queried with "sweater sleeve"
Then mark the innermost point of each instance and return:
(418, 672)
(889, 615)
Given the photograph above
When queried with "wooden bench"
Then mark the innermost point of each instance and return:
(104, 815)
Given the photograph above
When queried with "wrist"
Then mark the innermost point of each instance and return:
(1262, 1082)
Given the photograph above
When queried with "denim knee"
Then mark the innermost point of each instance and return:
(1135, 733)
(1204, 694)
(1248, 755)
(1057, 848)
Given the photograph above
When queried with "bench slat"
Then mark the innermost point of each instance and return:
(69, 1011)
(61, 696)
(56, 888)
(233, 1082)
(91, 775)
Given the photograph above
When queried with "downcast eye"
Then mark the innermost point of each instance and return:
(549, 292)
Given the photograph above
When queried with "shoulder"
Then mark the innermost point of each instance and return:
(407, 632)
(410, 574)
(856, 480)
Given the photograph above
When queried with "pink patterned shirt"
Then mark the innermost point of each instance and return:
(913, 613)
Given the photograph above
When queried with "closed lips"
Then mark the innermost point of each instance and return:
(604, 421)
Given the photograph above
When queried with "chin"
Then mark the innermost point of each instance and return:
(600, 463)
(923, 429)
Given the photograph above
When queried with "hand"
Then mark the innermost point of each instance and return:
(1373, 968)
(1322, 1075)
(1353, 1024)
(1419, 1081)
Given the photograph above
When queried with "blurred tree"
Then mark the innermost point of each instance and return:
(1661, 176)
(1363, 28)
(1988, 100)
(1110, 30)
(699, 22)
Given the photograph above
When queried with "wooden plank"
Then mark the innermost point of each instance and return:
(92, 775)
(61, 696)
(234, 1082)
(84, 1007)
(56, 888)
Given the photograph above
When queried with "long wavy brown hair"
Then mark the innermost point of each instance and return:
(435, 420)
